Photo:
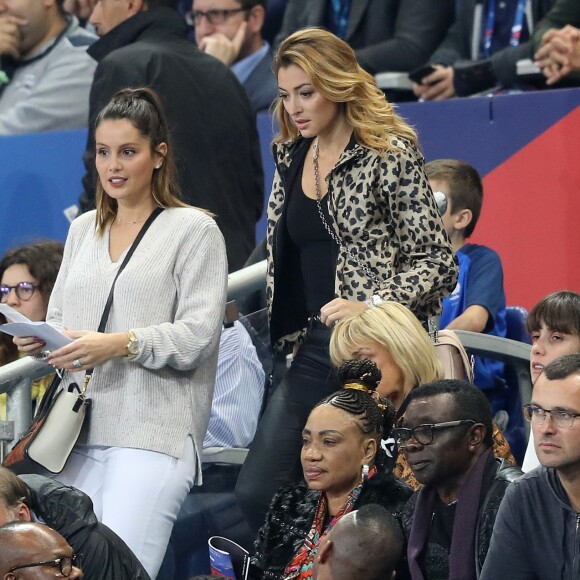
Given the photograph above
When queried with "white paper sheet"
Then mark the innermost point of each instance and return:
(20, 325)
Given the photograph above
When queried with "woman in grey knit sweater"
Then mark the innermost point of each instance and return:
(155, 363)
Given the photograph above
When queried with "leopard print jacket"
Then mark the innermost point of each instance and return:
(383, 211)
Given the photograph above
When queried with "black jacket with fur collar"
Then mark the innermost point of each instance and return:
(290, 516)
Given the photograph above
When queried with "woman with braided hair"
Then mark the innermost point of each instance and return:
(341, 462)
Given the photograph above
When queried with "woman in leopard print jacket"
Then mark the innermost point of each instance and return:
(351, 222)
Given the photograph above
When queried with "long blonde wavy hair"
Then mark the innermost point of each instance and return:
(331, 65)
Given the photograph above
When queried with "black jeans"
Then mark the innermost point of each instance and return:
(274, 457)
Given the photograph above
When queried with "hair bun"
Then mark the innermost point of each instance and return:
(364, 375)
(364, 372)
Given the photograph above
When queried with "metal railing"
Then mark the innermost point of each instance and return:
(16, 381)
(16, 378)
(513, 353)
(247, 280)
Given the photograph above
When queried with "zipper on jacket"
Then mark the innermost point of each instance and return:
(575, 563)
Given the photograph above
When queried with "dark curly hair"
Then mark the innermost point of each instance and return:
(374, 414)
(43, 259)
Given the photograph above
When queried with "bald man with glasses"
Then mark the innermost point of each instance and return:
(537, 531)
(31, 550)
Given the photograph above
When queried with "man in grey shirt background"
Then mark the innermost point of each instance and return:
(46, 74)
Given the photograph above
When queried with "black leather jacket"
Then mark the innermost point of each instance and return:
(498, 474)
(69, 511)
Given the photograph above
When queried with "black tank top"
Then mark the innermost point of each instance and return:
(318, 251)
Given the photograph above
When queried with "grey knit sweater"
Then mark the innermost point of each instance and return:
(172, 294)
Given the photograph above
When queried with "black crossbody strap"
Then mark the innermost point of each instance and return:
(109, 303)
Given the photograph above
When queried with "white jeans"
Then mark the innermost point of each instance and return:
(136, 493)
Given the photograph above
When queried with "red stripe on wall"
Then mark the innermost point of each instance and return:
(531, 214)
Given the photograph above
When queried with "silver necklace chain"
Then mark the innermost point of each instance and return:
(318, 195)
(367, 270)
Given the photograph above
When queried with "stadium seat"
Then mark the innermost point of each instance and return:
(516, 317)
(514, 350)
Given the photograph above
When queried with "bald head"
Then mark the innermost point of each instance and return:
(26, 543)
(367, 543)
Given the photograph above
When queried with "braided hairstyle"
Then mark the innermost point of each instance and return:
(374, 414)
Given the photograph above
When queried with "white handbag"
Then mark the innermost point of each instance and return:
(58, 434)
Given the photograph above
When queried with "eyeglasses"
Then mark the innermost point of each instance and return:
(65, 564)
(214, 17)
(24, 291)
(560, 417)
(424, 434)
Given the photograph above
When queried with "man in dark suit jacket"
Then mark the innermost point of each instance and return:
(144, 43)
(388, 35)
(230, 30)
(558, 39)
(457, 77)
(563, 13)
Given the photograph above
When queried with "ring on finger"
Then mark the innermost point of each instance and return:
(77, 363)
